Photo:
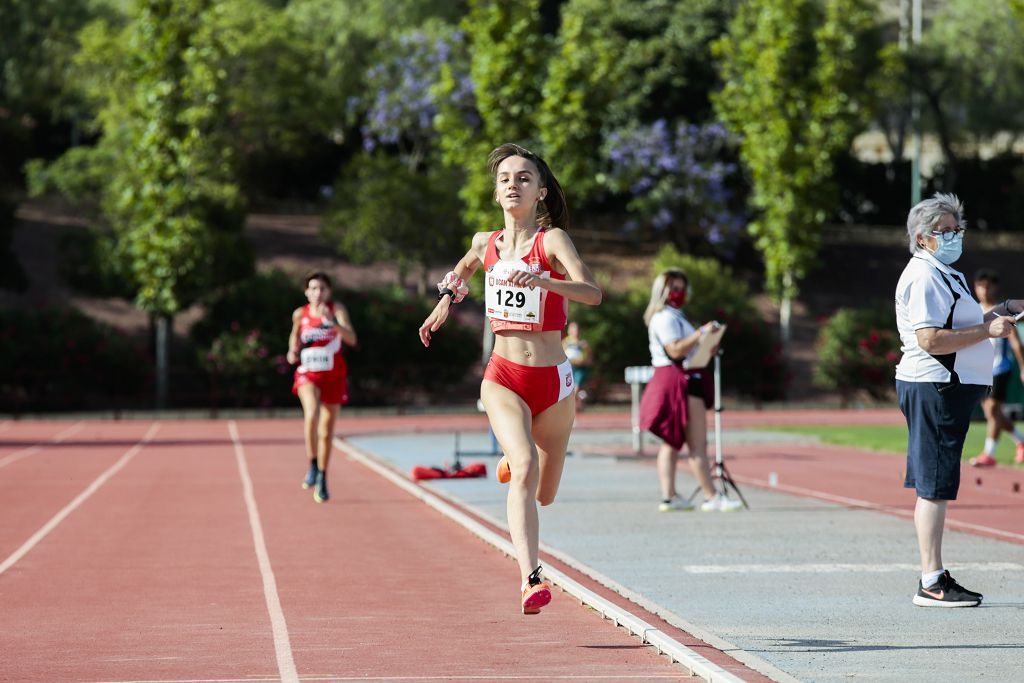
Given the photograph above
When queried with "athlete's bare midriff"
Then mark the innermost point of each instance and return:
(537, 349)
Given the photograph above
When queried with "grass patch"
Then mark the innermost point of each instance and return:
(893, 439)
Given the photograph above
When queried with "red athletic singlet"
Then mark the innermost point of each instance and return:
(552, 310)
(320, 359)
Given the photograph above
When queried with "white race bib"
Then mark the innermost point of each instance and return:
(505, 301)
(317, 358)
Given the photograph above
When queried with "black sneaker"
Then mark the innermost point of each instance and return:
(945, 593)
(310, 479)
(971, 593)
(320, 493)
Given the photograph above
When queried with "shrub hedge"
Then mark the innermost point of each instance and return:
(244, 334)
(752, 363)
(60, 359)
(857, 352)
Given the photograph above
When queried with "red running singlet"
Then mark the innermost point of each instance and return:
(553, 308)
(320, 359)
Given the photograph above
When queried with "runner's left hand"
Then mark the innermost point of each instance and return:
(522, 278)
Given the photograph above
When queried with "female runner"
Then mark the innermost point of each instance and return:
(532, 271)
(321, 380)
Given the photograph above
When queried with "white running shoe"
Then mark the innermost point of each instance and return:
(720, 503)
(674, 504)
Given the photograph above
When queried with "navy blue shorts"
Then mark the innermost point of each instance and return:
(938, 415)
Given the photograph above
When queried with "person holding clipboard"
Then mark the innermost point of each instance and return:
(675, 402)
(945, 371)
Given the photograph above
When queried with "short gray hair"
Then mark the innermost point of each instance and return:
(927, 214)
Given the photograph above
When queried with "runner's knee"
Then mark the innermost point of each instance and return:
(523, 475)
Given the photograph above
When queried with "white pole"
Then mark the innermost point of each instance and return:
(634, 389)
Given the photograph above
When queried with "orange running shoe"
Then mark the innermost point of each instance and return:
(536, 593)
(503, 472)
(1019, 458)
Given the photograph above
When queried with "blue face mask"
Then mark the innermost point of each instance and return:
(949, 252)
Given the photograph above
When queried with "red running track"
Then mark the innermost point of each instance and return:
(131, 551)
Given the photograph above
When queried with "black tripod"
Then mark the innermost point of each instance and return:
(719, 473)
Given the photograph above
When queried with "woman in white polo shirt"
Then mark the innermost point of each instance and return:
(675, 401)
(945, 371)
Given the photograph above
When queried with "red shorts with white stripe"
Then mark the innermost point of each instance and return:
(539, 387)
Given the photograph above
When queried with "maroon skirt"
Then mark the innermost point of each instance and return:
(663, 406)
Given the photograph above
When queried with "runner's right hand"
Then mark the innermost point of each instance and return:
(435, 320)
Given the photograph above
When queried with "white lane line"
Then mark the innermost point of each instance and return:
(855, 502)
(469, 677)
(735, 651)
(31, 450)
(79, 499)
(282, 643)
(697, 664)
(842, 568)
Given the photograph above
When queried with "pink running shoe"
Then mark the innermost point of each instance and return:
(535, 597)
(983, 460)
(1019, 458)
(536, 593)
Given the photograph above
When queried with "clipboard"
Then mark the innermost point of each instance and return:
(705, 349)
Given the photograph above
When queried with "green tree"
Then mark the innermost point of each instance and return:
(506, 57)
(619, 63)
(167, 190)
(37, 49)
(969, 70)
(389, 209)
(794, 74)
(35, 53)
(342, 37)
(398, 191)
(580, 87)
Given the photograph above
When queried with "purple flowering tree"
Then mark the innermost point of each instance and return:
(398, 191)
(677, 180)
(401, 97)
